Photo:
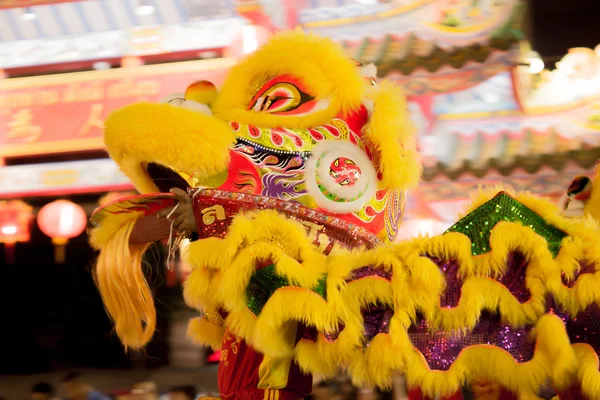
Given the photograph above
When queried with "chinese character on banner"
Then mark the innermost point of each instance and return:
(94, 119)
(21, 126)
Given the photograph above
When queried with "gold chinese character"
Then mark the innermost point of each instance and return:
(212, 214)
(94, 120)
(224, 357)
(235, 345)
(21, 126)
(320, 239)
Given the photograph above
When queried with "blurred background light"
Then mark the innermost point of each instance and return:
(144, 9)
(28, 15)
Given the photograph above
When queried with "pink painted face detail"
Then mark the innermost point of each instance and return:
(344, 171)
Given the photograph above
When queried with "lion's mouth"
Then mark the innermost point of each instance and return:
(165, 178)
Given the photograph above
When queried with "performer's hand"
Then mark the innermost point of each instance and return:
(183, 216)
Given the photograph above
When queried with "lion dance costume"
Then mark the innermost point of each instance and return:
(297, 170)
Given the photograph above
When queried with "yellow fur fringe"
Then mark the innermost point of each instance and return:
(101, 235)
(587, 372)
(125, 291)
(224, 267)
(205, 332)
(194, 143)
(391, 132)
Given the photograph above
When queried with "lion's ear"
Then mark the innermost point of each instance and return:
(392, 136)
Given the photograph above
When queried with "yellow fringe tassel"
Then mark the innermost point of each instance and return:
(223, 268)
(125, 291)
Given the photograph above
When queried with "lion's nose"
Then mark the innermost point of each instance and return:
(203, 92)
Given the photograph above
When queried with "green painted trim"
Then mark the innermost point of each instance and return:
(265, 281)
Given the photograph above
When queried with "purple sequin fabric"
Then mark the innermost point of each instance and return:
(368, 271)
(376, 317)
(311, 333)
(376, 320)
(452, 292)
(514, 277)
(585, 327)
(440, 349)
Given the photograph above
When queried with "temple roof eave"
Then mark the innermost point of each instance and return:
(584, 158)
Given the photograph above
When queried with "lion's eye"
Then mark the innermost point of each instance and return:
(283, 95)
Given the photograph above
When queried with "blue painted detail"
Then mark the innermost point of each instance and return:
(59, 20)
(82, 17)
(13, 25)
(38, 27)
(131, 13)
(108, 15)
(157, 12)
(183, 13)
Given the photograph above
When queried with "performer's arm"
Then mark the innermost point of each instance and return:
(182, 215)
(157, 227)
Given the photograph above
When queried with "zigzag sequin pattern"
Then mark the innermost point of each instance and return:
(426, 300)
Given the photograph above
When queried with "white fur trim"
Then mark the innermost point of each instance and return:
(198, 107)
(177, 100)
(571, 208)
(170, 98)
(369, 71)
(365, 188)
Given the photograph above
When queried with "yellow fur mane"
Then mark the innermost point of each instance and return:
(199, 144)
(222, 275)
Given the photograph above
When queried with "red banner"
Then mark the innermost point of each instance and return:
(30, 3)
(64, 113)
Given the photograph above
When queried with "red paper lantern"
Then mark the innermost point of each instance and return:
(61, 220)
(15, 218)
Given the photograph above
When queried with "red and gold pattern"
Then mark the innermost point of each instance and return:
(289, 142)
(241, 367)
(304, 139)
(144, 204)
(219, 208)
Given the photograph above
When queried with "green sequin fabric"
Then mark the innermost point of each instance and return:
(478, 224)
(265, 281)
